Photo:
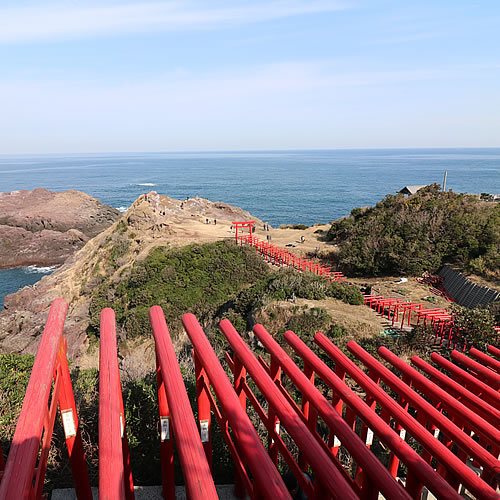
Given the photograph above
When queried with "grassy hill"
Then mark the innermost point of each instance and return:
(411, 235)
(213, 281)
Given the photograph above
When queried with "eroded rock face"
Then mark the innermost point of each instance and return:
(44, 228)
(19, 247)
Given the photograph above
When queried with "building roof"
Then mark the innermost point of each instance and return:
(411, 189)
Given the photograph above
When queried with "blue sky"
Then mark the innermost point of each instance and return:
(117, 75)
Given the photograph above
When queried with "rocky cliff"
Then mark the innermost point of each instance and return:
(151, 221)
(44, 228)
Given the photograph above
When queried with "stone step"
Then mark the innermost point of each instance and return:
(225, 492)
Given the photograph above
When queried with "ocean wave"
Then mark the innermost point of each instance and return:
(145, 184)
(122, 209)
(40, 270)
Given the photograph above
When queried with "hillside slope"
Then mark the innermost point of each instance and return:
(420, 233)
(150, 222)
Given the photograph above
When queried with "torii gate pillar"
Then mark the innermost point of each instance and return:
(241, 225)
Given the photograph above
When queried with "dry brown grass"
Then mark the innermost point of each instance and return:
(360, 321)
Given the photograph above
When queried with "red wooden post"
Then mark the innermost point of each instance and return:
(492, 349)
(192, 456)
(72, 429)
(473, 384)
(326, 472)
(20, 473)
(318, 404)
(166, 441)
(204, 412)
(489, 376)
(275, 373)
(239, 374)
(488, 361)
(309, 412)
(111, 469)
(439, 487)
(489, 463)
(267, 480)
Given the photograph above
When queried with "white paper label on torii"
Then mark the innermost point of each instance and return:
(336, 442)
(165, 428)
(122, 427)
(276, 429)
(205, 438)
(436, 433)
(369, 437)
(68, 423)
(402, 434)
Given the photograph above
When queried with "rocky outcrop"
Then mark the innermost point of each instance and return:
(151, 221)
(44, 228)
(19, 247)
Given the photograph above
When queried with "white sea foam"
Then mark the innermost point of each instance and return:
(145, 184)
(122, 209)
(40, 270)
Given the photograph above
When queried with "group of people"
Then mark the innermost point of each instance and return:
(207, 221)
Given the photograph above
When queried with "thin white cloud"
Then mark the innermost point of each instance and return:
(294, 104)
(63, 21)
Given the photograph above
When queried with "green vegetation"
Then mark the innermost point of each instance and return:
(121, 227)
(410, 235)
(213, 281)
(475, 325)
(494, 309)
(141, 416)
(293, 226)
(196, 278)
(307, 324)
(15, 372)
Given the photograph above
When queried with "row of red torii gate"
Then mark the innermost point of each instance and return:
(448, 410)
(400, 310)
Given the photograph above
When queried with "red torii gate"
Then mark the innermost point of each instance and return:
(249, 223)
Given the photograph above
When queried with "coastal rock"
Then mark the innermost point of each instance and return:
(153, 220)
(19, 247)
(44, 228)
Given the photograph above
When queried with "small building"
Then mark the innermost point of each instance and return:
(409, 190)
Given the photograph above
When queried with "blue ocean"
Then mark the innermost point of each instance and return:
(280, 187)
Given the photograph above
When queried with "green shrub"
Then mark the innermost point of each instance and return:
(119, 250)
(309, 322)
(494, 309)
(293, 226)
(15, 371)
(196, 278)
(337, 331)
(306, 324)
(475, 325)
(348, 294)
(410, 235)
(213, 281)
(121, 227)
